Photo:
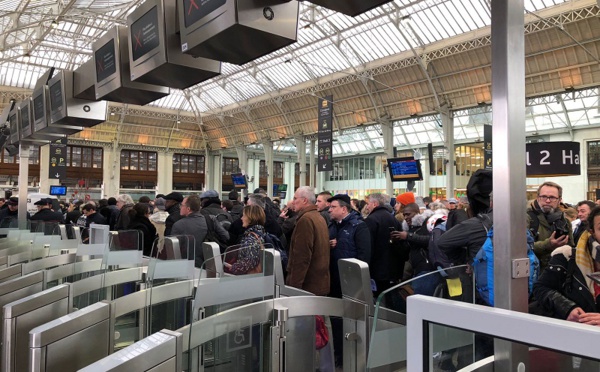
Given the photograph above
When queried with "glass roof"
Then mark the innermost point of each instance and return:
(35, 35)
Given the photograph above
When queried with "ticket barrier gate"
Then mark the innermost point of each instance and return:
(262, 335)
(91, 333)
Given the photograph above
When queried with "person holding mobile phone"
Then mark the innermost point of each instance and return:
(567, 289)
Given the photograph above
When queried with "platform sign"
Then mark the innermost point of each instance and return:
(57, 168)
(325, 136)
(553, 159)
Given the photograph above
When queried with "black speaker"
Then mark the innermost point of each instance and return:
(7, 194)
(597, 190)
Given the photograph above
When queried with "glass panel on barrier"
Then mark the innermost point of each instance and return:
(452, 349)
(388, 341)
(230, 280)
(124, 249)
(175, 265)
(242, 344)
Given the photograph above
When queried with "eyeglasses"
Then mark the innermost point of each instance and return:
(548, 198)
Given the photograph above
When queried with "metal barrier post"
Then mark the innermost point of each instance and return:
(280, 316)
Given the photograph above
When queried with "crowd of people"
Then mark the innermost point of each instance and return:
(400, 238)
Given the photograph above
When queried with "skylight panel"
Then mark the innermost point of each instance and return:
(460, 14)
(324, 60)
(247, 85)
(286, 74)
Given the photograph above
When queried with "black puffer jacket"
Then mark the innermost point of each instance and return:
(557, 295)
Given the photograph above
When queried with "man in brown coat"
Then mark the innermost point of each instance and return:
(308, 264)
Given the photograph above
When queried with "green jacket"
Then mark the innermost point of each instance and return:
(542, 247)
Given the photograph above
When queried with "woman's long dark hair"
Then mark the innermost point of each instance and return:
(139, 210)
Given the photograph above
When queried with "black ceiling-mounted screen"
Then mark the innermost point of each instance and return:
(144, 34)
(194, 10)
(38, 107)
(25, 120)
(405, 169)
(56, 96)
(105, 61)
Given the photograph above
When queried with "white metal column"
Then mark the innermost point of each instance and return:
(387, 129)
(312, 176)
(268, 149)
(23, 178)
(301, 148)
(164, 169)
(448, 128)
(45, 181)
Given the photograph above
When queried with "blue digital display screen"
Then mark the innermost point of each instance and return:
(405, 169)
(239, 181)
(58, 190)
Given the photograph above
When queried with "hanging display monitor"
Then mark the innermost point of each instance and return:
(239, 181)
(155, 54)
(404, 169)
(25, 116)
(236, 31)
(113, 77)
(13, 121)
(69, 114)
(41, 114)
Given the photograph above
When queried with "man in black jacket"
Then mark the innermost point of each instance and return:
(45, 213)
(387, 260)
(173, 206)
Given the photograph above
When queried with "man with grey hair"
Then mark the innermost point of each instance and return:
(387, 260)
(308, 264)
(124, 203)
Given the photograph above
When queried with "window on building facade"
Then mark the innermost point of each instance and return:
(183, 163)
(231, 165)
(138, 160)
(277, 169)
(85, 157)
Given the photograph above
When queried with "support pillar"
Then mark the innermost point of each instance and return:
(312, 177)
(387, 129)
(289, 177)
(508, 101)
(301, 148)
(268, 149)
(23, 186)
(448, 128)
(164, 169)
(111, 171)
(217, 178)
(45, 181)
(242, 154)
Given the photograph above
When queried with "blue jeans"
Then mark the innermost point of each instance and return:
(427, 284)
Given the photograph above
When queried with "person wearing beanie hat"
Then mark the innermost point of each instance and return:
(238, 207)
(403, 200)
(455, 214)
(406, 198)
(9, 215)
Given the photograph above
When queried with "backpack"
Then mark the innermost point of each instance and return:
(483, 267)
(211, 234)
(276, 243)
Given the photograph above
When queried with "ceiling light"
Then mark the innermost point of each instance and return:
(54, 24)
(26, 57)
